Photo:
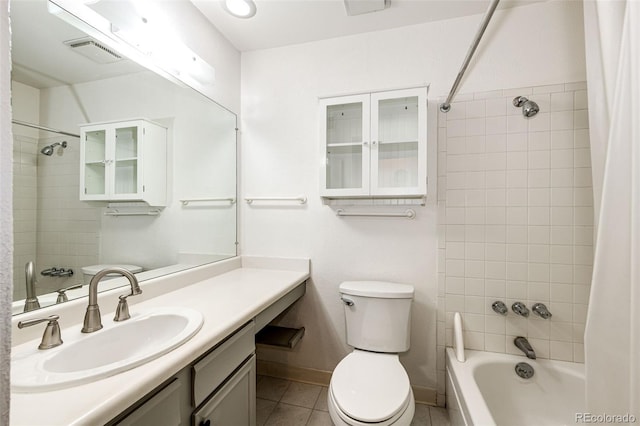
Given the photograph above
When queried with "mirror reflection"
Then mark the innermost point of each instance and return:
(113, 164)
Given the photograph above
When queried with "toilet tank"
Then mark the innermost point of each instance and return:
(377, 315)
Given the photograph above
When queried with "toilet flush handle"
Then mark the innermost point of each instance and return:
(346, 301)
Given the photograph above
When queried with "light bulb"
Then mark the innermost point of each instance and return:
(240, 8)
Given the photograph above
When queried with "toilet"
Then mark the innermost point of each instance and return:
(370, 386)
(89, 271)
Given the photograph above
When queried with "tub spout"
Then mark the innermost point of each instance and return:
(523, 344)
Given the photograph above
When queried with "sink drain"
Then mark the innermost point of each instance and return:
(524, 370)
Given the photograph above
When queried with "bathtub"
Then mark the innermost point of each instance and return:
(485, 390)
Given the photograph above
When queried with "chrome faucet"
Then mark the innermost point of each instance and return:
(31, 302)
(541, 310)
(523, 344)
(92, 320)
(520, 309)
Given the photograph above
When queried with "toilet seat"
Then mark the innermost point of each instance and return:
(370, 387)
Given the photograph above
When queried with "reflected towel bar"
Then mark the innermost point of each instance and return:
(409, 214)
(301, 199)
(132, 213)
(203, 200)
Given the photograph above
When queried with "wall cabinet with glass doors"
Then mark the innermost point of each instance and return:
(374, 145)
(124, 161)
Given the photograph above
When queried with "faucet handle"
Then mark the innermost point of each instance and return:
(520, 309)
(122, 311)
(499, 307)
(541, 310)
(52, 336)
(62, 293)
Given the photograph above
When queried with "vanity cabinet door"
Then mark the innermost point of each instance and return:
(164, 408)
(123, 161)
(234, 403)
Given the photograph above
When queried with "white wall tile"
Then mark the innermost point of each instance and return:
(475, 126)
(540, 141)
(581, 119)
(562, 120)
(540, 122)
(517, 160)
(562, 101)
(517, 141)
(518, 124)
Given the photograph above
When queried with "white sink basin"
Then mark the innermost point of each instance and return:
(116, 348)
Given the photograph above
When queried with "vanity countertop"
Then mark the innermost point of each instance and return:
(227, 301)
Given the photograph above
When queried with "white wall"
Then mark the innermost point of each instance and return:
(280, 156)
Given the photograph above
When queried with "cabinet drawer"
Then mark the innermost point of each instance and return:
(214, 368)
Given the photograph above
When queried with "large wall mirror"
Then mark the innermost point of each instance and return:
(57, 87)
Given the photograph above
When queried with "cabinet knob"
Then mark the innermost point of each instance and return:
(365, 143)
(373, 142)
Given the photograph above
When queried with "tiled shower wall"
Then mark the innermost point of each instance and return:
(68, 229)
(516, 220)
(25, 194)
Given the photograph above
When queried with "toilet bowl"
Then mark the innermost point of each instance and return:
(370, 386)
(89, 271)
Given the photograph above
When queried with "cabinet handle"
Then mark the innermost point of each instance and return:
(205, 423)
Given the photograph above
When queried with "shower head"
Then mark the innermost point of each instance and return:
(529, 108)
(48, 150)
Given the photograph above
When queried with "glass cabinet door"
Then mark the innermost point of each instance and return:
(345, 137)
(126, 160)
(95, 162)
(398, 142)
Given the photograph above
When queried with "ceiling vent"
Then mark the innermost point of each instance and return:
(93, 50)
(359, 7)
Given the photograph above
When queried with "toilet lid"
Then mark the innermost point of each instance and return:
(94, 269)
(370, 387)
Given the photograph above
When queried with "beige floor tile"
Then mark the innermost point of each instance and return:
(320, 418)
(439, 416)
(421, 416)
(288, 415)
(321, 403)
(301, 394)
(264, 408)
(271, 388)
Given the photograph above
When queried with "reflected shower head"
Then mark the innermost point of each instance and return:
(48, 150)
(529, 108)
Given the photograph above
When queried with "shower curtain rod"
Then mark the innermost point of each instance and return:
(48, 129)
(446, 106)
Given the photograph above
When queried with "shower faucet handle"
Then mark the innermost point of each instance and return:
(520, 309)
(541, 310)
(499, 307)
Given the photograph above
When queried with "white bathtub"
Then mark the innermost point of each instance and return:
(485, 390)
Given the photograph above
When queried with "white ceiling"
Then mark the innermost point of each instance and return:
(284, 22)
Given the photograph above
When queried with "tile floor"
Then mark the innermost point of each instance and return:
(287, 403)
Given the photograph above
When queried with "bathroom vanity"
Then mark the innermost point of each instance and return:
(209, 377)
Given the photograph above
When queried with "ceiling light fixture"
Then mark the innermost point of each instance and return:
(240, 8)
